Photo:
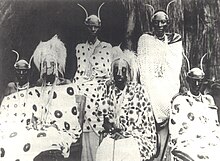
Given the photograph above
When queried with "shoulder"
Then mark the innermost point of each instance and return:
(145, 35)
(173, 38)
(80, 45)
(210, 100)
(11, 85)
(179, 97)
(105, 45)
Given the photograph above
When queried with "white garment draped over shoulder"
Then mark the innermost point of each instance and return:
(160, 65)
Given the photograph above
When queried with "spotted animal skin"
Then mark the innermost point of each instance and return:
(36, 120)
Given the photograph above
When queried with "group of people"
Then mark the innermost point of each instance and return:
(129, 95)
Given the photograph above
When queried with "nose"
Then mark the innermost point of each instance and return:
(21, 72)
(93, 28)
(197, 83)
(160, 24)
(119, 72)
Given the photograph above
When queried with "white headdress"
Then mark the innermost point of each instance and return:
(130, 58)
(54, 49)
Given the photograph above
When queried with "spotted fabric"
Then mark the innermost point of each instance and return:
(131, 110)
(36, 120)
(94, 64)
(194, 127)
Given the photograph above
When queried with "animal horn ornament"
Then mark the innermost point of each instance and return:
(100, 9)
(201, 61)
(16, 54)
(166, 11)
(92, 19)
(187, 60)
(168, 5)
(22, 62)
(87, 15)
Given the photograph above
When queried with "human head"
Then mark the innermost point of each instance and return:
(22, 71)
(93, 24)
(49, 66)
(160, 22)
(195, 78)
(121, 72)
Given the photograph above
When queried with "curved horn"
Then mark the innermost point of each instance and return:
(151, 7)
(29, 64)
(168, 5)
(201, 61)
(187, 60)
(83, 9)
(100, 9)
(16, 54)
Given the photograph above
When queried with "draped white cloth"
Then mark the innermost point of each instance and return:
(160, 65)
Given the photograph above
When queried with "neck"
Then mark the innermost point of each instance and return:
(92, 39)
(22, 82)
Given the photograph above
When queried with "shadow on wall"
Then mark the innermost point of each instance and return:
(23, 24)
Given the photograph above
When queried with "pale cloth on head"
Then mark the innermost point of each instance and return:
(54, 47)
(128, 56)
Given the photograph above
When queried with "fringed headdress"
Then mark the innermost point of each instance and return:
(92, 19)
(127, 56)
(53, 49)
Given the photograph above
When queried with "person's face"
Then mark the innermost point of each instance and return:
(49, 66)
(195, 85)
(120, 73)
(160, 23)
(21, 75)
(93, 29)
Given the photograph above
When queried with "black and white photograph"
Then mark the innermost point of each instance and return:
(109, 80)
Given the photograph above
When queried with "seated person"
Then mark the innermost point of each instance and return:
(194, 126)
(22, 69)
(50, 59)
(128, 118)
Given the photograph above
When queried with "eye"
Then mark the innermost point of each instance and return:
(44, 63)
(52, 63)
(115, 70)
(124, 70)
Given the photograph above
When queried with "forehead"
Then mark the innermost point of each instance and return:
(160, 16)
(120, 64)
(49, 58)
(92, 20)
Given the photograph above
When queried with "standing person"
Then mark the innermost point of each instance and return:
(129, 119)
(94, 63)
(194, 126)
(160, 59)
(22, 71)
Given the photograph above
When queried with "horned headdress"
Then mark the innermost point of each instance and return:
(195, 72)
(21, 64)
(166, 12)
(92, 19)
